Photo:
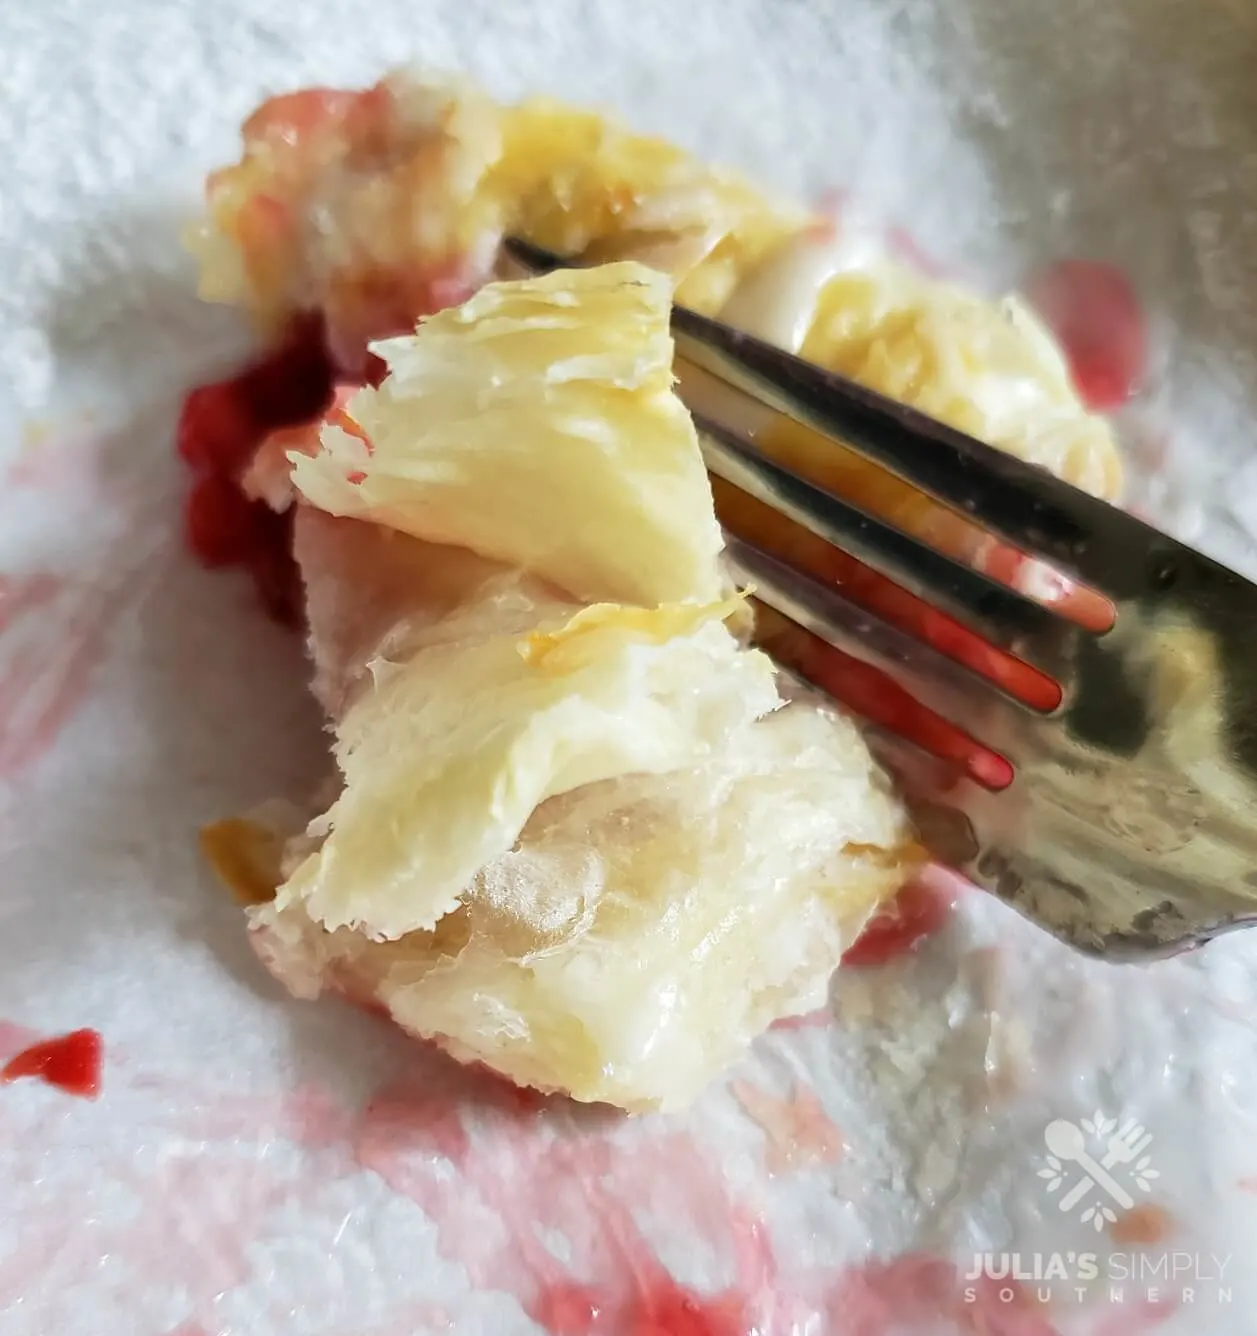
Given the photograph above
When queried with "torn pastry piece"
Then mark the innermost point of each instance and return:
(582, 372)
(579, 837)
(989, 368)
(374, 207)
(642, 930)
(451, 748)
(371, 208)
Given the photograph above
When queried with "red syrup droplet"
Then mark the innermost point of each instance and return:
(70, 1062)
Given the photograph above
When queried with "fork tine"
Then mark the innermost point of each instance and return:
(1001, 616)
(968, 702)
(1025, 505)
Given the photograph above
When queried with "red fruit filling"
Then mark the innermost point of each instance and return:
(220, 427)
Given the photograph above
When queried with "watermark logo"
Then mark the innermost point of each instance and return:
(1176, 1278)
(1093, 1168)
(1103, 1164)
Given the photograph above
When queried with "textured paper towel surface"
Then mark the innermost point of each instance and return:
(259, 1166)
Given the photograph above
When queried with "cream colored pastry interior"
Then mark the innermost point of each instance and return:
(580, 839)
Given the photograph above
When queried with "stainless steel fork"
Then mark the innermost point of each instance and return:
(1129, 828)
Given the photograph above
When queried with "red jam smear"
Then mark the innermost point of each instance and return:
(919, 911)
(669, 1309)
(220, 427)
(568, 1310)
(70, 1062)
(660, 1308)
(1096, 315)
